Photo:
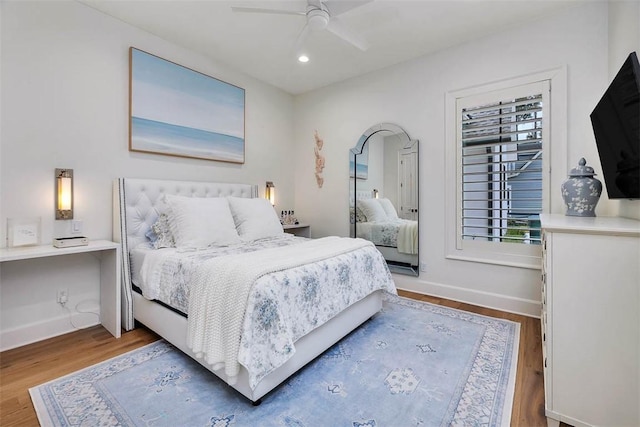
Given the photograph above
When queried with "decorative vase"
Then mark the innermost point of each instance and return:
(581, 191)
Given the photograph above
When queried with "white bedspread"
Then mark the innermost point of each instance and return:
(165, 274)
(220, 289)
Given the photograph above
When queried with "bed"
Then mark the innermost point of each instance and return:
(376, 220)
(149, 268)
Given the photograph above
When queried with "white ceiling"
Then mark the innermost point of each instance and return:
(262, 45)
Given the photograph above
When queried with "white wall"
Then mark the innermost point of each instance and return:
(65, 104)
(412, 95)
(375, 174)
(392, 146)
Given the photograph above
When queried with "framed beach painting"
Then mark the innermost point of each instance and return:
(359, 164)
(177, 111)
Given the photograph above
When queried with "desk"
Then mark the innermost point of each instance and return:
(109, 255)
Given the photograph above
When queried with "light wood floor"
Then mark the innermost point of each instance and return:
(37, 363)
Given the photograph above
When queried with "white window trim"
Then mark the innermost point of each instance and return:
(522, 256)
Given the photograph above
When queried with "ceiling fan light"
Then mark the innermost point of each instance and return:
(317, 19)
(303, 58)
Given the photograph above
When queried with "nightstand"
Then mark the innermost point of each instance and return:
(301, 230)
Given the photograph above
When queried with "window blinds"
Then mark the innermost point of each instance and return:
(502, 170)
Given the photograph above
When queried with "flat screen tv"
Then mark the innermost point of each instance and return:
(616, 125)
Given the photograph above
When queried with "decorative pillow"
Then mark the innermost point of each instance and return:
(160, 233)
(372, 210)
(388, 208)
(254, 218)
(359, 215)
(198, 222)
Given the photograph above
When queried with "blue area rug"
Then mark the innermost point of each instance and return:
(412, 364)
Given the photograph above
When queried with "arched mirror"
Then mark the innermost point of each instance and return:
(383, 193)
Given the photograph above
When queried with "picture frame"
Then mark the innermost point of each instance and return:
(176, 111)
(23, 232)
(359, 164)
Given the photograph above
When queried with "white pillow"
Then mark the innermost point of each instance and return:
(388, 208)
(372, 210)
(254, 218)
(198, 222)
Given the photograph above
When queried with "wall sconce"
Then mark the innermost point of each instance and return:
(64, 193)
(270, 193)
(375, 193)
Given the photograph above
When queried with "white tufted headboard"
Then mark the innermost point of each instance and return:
(360, 195)
(135, 209)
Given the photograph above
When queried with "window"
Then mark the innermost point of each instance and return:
(498, 155)
(501, 156)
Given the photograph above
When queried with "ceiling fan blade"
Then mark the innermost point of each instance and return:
(339, 29)
(337, 7)
(270, 11)
(298, 47)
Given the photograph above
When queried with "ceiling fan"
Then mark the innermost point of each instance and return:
(320, 15)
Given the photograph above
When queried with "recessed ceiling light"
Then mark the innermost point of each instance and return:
(303, 58)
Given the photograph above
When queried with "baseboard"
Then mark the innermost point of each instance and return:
(525, 307)
(34, 332)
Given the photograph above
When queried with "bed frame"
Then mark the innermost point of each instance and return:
(136, 203)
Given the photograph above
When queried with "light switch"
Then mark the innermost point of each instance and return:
(76, 226)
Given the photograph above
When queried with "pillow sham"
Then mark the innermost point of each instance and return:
(372, 210)
(388, 208)
(254, 218)
(198, 222)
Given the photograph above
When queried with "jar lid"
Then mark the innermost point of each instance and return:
(582, 169)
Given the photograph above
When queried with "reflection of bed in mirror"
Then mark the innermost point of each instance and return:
(376, 220)
(383, 182)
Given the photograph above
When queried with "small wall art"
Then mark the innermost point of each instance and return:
(361, 169)
(177, 111)
(319, 159)
(23, 232)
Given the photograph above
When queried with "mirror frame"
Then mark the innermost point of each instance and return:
(353, 156)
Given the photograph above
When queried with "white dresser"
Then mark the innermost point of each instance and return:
(591, 320)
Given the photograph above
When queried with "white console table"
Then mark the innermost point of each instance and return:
(109, 255)
(591, 320)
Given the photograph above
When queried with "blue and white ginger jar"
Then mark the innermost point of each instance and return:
(581, 191)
